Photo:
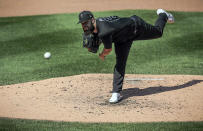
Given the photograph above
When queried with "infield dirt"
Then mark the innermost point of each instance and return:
(33, 7)
(85, 98)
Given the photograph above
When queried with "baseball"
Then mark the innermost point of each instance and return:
(47, 55)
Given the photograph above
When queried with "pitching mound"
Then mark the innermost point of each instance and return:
(85, 97)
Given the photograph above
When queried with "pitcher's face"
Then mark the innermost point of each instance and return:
(85, 25)
(88, 26)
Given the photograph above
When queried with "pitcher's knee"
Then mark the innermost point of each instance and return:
(120, 69)
(159, 34)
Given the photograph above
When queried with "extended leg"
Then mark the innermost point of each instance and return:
(147, 31)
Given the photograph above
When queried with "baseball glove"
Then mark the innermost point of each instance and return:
(91, 42)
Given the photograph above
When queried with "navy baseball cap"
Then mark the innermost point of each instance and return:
(85, 16)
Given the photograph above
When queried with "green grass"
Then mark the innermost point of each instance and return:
(24, 40)
(34, 125)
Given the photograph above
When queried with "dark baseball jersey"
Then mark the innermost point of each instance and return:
(115, 29)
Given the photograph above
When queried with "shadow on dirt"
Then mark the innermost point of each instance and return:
(127, 93)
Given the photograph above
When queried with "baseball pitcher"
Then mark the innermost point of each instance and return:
(121, 31)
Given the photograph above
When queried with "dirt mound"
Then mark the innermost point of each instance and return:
(85, 98)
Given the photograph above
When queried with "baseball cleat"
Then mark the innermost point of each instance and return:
(116, 97)
(169, 15)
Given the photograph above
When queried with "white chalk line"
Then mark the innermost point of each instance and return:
(144, 79)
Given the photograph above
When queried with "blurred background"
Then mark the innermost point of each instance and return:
(32, 7)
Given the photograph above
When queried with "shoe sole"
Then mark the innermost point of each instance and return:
(171, 22)
(171, 19)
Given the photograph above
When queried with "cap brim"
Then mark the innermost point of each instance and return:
(81, 21)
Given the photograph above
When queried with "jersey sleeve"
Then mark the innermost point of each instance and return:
(107, 41)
